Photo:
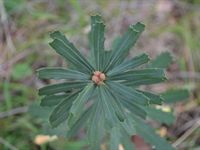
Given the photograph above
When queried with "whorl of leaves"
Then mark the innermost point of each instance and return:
(116, 107)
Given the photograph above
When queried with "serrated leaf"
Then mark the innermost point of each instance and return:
(66, 49)
(154, 99)
(121, 49)
(61, 111)
(173, 96)
(128, 93)
(161, 61)
(61, 87)
(96, 127)
(129, 64)
(159, 115)
(150, 136)
(60, 73)
(79, 103)
(52, 100)
(97, 40)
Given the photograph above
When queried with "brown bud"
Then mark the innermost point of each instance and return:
(102, 77)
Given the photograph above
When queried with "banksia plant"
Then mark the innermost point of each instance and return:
(102, 94)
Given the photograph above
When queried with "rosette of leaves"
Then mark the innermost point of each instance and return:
(102, 94)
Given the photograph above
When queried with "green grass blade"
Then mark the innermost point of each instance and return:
(66, 49)
(60, 73)
(61, 87)
(128, 93)
(129, 64)
(124, 44)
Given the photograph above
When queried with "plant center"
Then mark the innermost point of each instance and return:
(98, 77)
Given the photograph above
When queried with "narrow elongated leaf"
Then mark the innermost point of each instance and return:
(141, 77)
(61, 87)
(150, 136)
(96, 123)
(66, 49)
(112, 117)
(60, 73)
(134, 108)
(129, 64)
(128, 93)
(81, 122)
(140, 74)
(128, 126)
(97, 40)
(52, 100)
(115, 103)
(173, 96)
(139, 82)
(159, 115)
(161, 61)
(154, 99)
(121, 49)
(83, 97)
(61, 112)
(115, 138)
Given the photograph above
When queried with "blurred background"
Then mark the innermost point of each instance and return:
(171, 25)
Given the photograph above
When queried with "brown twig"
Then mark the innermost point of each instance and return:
(12, 112)
(187, 134)
(7, 144)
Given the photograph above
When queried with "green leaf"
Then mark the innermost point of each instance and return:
(150, 136)
(66, 49)
(21, 71)
(140, 77)
(159, 115)
(81, 122)
(96, 129)
(61, 87)
(61, 111)
(154, 99)
(112, 115)
(97, 40)
(128, 93)
(134, 108)
(79, 103)
(121, 49)
(173, 96)
(52, 100)
(60, 73)
(161, 61)
(129, 64)
(115, 138)
(133, 75)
